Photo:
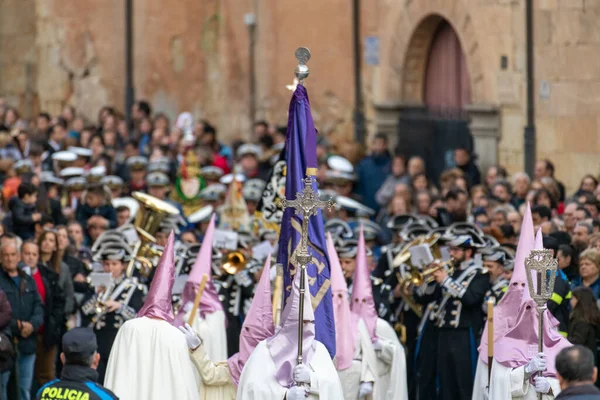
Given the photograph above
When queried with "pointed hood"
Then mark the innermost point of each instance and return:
(258, 324)
(283, 346)
(505, 312)
(362, 303)
(158, 304)
(520, 344)
(344, 334)
(209, 302)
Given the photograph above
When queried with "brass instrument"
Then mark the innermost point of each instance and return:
(234, 262)
(152, 213)
(417, 278)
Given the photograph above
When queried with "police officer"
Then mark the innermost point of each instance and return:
(79, 377)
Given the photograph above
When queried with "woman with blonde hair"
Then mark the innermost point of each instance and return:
(589, 271)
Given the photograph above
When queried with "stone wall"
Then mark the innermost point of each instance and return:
(18, 55)
(192, 55)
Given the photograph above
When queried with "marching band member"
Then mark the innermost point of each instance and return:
(458, 319)
(495, 262)
(210, 321)
(354, 364)
(271, 372)
(377, 334)
(107, 310)
(150, 358)
(220, 379)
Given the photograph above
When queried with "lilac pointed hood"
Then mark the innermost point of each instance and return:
(519, 345)
(209, 302)
(258, 324)
(362, 303)
(283, 346)
(345, 337)
(505, 312)
(158, 304)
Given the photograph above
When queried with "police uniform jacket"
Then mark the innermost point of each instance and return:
(76, 382)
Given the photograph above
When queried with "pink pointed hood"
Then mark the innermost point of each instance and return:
(283, 346)
(209, 302)
(505, 312)
(519, 345)
(258, 324)
(344, 334)
(362, 303)
(158, 304)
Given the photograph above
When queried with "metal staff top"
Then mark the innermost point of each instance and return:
(302, 71)
(543, 264)
(306, 204)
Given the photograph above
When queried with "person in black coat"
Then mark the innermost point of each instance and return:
(584, 323)
(23, 210)
(96, 202)
(6, 360)
(576, 374)
(27, 313)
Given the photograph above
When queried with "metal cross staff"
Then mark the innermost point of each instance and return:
(306, 204)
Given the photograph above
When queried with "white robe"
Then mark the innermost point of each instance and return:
(361, 370)
(510, 384)
(212, 331)
(481, 380)
(258, 377)
(390, 369)
(215, 382)
(150, 360)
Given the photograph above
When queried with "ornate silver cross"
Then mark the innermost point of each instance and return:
(306, 204)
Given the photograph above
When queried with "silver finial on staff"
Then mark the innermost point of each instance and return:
(544, 265)
(306, 204)
(302, 71)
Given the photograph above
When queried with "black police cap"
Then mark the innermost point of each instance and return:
(79, 343)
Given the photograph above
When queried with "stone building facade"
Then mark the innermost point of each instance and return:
(193, 55)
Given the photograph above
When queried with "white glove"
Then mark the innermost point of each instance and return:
(296, 393)
(542, 384)
(243, 279)
(366, 388)
(301, 374)
(377, 345)
(191, 337)
(537, 363)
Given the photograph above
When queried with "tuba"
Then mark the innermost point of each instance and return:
(152, 213)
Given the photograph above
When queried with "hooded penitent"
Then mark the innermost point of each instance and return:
(344, 332)
(505, 312)
(209, 302)
(362, 303)
(283, 346)
(258, 324)
(520, 343)
(158, 302)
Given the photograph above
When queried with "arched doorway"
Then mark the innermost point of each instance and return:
(447, 84)
(440, 124)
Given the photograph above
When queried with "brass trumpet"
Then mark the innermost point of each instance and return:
(417, 278)
(234, 262)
